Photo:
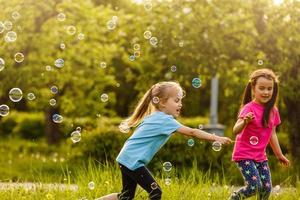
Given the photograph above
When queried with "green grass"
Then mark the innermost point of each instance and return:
(192, 185)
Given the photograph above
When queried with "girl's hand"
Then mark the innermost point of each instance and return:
(283, 160)
(223, 140)
(248, 117)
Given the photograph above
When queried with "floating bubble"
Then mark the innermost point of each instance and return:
(173, 68)
(253, 140)
(200, 126)
(57, 118)
(62, 46)
(191, 142)
(148, 6)
(136, 47)
(4, 110)
(30, 96)
(10, 36)
(78, 128)
(103, 65)
(196, 82)
(167, 166)
(15, 15)
(216, 146)
(115, 18)
(61, 17)
(153, 41)
(104, 97)
(48, 68)
(71, 30)
(260, 62)
(131, 57)
(124, 128)
(54, 89)
(154, 186)
(59, 62)
(147, 35)
(111, 24)
(2, 28)
(167, 181)
(75, 136)
(80, 36)
(19, 57)
(91, 185)
(2, 64)
(15, 94)
(137, 54)
(180, 44)
(155, 100)
(52, 102)
(8, 25)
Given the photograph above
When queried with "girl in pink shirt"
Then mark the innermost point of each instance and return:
(255, 129)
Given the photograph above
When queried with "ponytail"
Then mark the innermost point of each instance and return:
(143, 109)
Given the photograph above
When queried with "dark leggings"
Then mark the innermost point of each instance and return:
(257, 179)
(141, 176)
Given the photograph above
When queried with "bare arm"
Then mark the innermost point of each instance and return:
(277, 150)
(202, 135)
(242, 123)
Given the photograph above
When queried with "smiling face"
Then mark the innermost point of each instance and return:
(172, 105)
(263, 90)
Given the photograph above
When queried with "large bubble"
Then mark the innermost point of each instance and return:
(4, 110)
(15, 94)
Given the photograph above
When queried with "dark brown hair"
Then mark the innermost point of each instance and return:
(247, 97)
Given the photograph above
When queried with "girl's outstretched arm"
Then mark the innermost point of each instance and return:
(242, 123)
(203, 135)
(277, 150)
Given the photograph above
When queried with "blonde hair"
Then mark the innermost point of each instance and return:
(147, 104)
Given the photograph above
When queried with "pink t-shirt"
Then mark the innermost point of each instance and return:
(252, 141)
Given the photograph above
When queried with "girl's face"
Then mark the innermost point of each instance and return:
(263, 90)
(172, 105)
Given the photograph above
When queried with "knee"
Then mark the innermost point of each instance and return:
(155, 194)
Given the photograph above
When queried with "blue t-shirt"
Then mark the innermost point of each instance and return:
(152, 133)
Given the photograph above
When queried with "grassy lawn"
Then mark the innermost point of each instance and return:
(36, 162)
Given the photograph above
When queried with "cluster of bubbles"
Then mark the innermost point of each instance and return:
(196, 82)
(153, 40)
(7, 25)
(112, 23)
(137, 52)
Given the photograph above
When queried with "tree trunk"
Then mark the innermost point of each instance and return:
(51, 128)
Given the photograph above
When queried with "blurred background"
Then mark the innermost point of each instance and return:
(70, 71)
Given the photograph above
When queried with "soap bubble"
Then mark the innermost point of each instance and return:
(155, 100)
(167, 166)
(15, 94)
(104, 97)
(4, 110)
(253, 140)
(196, 82)
(59, 62)
(191, 142)
(30, 96)
(75, 136)
(10, 36)
(147, 35)
(91, 185)
(19, 57)
(57, 118)
(216, 146)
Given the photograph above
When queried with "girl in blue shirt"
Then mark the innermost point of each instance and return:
(154, 117)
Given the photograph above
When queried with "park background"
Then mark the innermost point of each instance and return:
(102, 55)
